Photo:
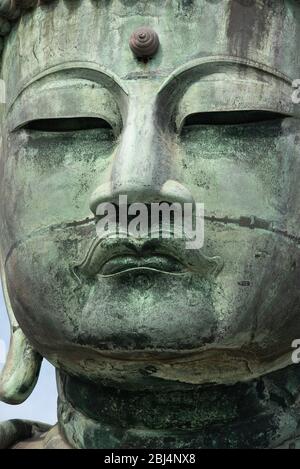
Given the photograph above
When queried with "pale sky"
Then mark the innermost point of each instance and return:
(41, 405)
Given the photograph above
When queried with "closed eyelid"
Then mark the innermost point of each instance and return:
(223, 84)
(231, 118)
(235, 98)
(70, 89)
(77, 102)
(71, 124)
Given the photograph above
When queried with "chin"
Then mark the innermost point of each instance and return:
(168, 369)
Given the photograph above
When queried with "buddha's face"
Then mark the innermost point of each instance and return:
(209, 119)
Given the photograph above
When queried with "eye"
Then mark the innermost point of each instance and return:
(230, 118)
(67, 124)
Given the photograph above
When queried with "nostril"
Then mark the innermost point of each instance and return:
(171, 192)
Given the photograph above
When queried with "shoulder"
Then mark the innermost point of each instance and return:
(293, 443)
(24, 434)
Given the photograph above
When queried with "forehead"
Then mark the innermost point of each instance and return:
(89, 31)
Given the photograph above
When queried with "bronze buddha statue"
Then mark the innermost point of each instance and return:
(174, 101)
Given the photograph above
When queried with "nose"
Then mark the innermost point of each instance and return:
(145, 167)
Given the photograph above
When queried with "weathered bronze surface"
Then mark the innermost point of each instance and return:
(151, 358)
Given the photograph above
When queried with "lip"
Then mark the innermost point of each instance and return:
(112, 256)
(159, 263)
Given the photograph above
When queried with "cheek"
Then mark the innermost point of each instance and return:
(46, 297)
(250, 177)
(258, 297)
(238, 171)
(49, 182)
(51, 178)
(229, 189)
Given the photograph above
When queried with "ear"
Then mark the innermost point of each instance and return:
(21, 370)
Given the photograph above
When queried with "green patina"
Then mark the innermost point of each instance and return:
(151, 358)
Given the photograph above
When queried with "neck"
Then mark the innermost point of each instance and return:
(263, 413)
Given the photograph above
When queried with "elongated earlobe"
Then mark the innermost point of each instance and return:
(20, 373)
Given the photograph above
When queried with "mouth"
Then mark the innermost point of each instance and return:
(112, 256)
(127, 263)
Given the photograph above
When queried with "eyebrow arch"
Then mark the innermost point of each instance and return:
(207, 65)
(88, 70)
